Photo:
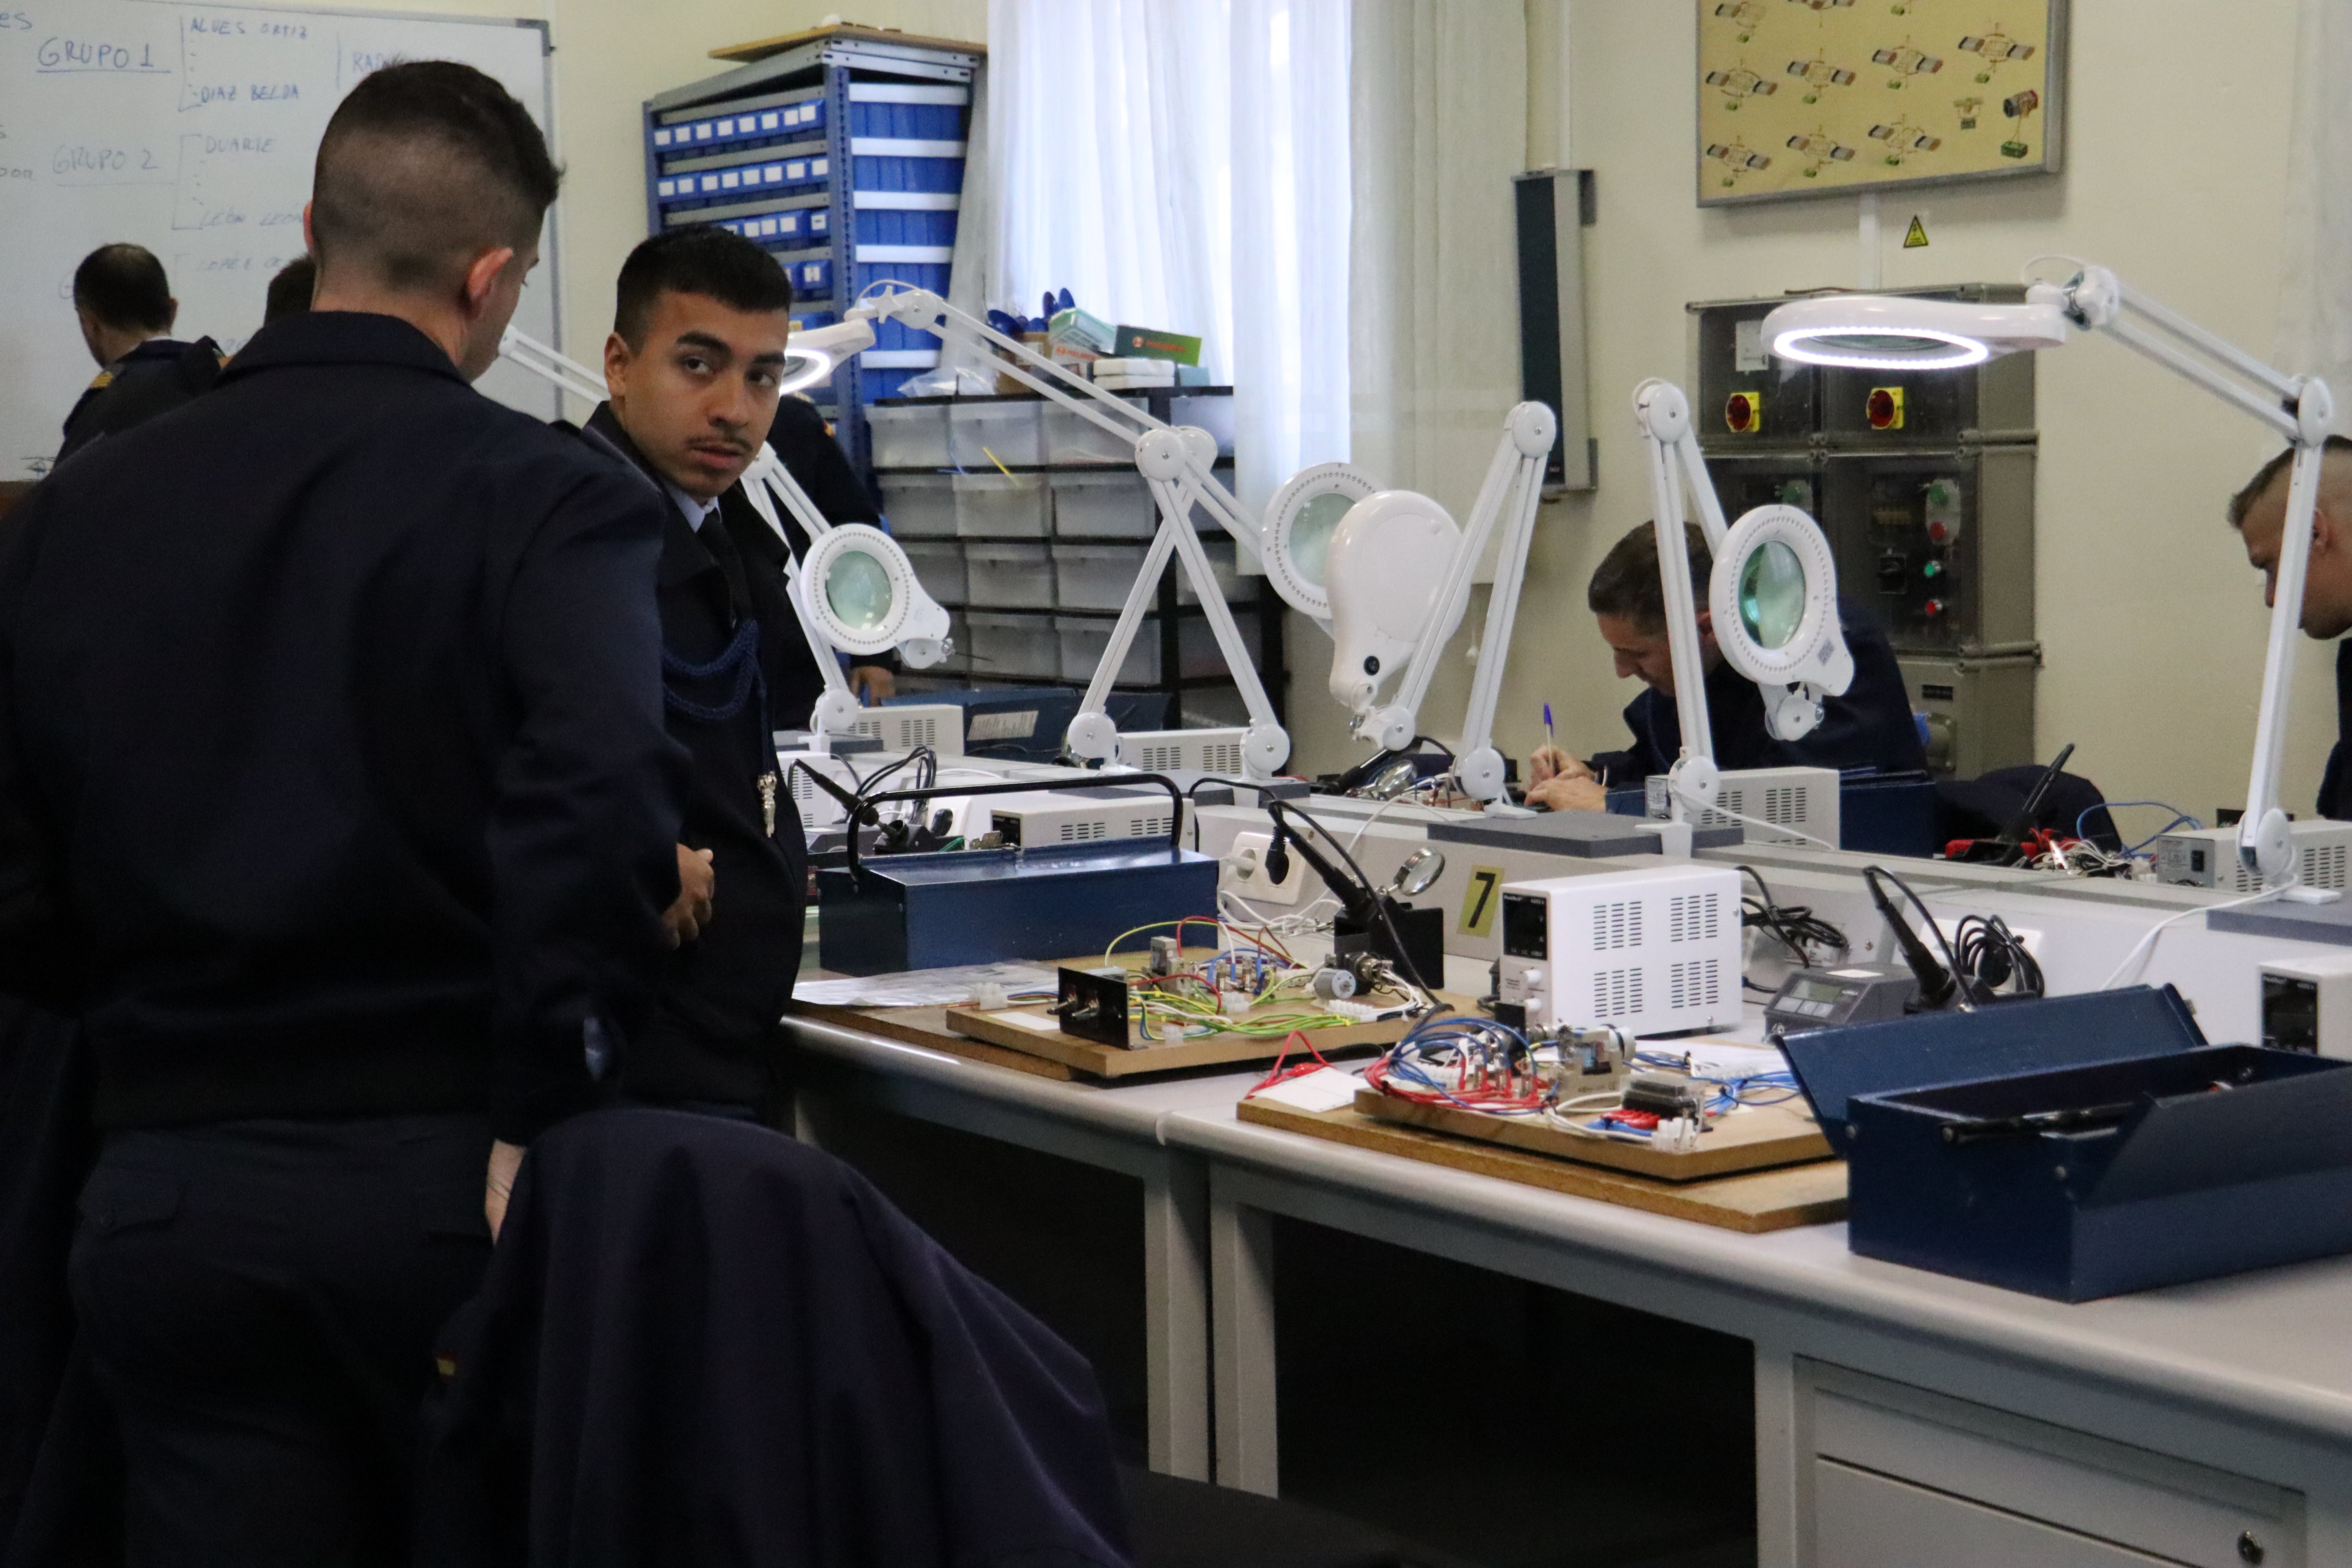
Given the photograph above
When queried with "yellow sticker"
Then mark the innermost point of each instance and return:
(1478, 900)
(1916, 238)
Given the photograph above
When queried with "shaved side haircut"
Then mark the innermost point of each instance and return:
(716, 263)
(2333, 450)
(425, 165)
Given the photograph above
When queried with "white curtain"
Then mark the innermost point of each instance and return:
(2315, 319)
(1440, 118)
(1113, 132)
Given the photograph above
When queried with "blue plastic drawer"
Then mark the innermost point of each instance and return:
(796, 227)
(709, 186)
(813, 276)
(888, 225)
(895, 172)
(718, 128)
(914, 121)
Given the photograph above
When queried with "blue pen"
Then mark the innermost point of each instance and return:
(1547, 723)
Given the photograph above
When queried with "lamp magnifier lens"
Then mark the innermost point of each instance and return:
(1772, 593)
(857, 589)
(1310, 535)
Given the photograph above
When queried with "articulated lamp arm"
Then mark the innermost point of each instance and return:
(2299, 408)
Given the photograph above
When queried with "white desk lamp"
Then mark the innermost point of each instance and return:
(1397, 574)
(868, 599)
(1177, 465)
(1899, 333)
(1772, 593)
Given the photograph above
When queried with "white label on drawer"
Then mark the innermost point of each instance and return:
(1016, 726)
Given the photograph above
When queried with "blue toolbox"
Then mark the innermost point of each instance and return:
(882, 914)
(2080, 1146)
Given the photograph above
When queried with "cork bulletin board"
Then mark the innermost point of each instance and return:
(1804, 98)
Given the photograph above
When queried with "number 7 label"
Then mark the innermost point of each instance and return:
(1478, 900)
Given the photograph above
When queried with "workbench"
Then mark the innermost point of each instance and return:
(1900, 1416)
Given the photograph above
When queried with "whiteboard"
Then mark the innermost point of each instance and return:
(191, 130)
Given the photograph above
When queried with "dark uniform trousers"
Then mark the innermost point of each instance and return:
(260, 1299)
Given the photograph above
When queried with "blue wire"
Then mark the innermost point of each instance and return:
(2179, 816)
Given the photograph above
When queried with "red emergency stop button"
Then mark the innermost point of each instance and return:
(1939, 533)
(1934, 607)
(1743, 413)
(1884, 408)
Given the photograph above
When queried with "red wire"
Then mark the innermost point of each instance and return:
(1278, 1075)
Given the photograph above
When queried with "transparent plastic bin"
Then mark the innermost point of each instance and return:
(1236, 588)
(919, 506)
(1085, 638)
(939, 568)
(1009, 576)
(1109, 505)
(1024, 647)
(1196, 646)
(1095, 576)
(1000, 506)
(985, 431)
(912, 435)
(1215, 414)
(1072, 438)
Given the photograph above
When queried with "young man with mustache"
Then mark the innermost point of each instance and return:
(694, 366)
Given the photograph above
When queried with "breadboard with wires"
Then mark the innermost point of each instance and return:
(1244, 1000)
(1473, 1078)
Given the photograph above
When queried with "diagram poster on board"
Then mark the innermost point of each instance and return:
(1796, 98)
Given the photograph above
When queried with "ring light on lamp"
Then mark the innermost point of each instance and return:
(1831, 330)
(1862, 332)
(819, 349)
(863, 582)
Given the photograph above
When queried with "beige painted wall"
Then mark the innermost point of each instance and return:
(2152, 625)
(613, 54)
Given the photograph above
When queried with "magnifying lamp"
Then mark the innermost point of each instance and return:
(814, 353)
(1899, 332)
(1300, 523)
(1398, 576)
(1773, 591)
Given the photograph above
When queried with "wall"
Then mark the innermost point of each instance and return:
(2151, 624)
(613, 54)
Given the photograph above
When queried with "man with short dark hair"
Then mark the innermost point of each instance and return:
(124, 304)
(1869, 726)
(2258, 513)
(291, 290)
(334, 797)
(701, 324)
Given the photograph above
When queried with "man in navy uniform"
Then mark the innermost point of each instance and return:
(335, 799)
(694, 364)
(1869, 726)
(124, 304)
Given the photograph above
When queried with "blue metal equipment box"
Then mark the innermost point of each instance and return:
(2080, 1146)
(982, 906)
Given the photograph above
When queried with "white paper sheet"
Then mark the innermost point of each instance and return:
(923, 987)
(1325, 1089)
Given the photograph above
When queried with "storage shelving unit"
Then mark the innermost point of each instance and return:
(1191, 699)
(843, 152)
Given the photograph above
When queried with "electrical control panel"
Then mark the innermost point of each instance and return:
(1922, 481)
(1651, 951)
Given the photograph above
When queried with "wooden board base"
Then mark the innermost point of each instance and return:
(1753, 1140)
(1097, 1060)
(1753, 1202)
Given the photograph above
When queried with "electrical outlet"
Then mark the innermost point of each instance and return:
(1243, 872)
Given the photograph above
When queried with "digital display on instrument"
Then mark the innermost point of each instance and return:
(1816, 990)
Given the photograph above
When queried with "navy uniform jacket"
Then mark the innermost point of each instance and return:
(730, 640)
(332, 773)
(2335, 789)
(155, 378)
(1870, 726)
